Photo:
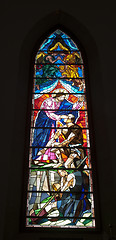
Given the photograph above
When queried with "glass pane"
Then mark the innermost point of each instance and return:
(60, 188)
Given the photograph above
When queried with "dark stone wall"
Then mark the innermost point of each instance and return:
(22, 26)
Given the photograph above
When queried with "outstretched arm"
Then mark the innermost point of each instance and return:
(65, 142)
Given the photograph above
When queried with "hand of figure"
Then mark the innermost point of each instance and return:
(62, 173)
(58, 117)
(55, 144)
(41, 152)
(81, 98)
(60, 145)
(63, 116)
(70, 183)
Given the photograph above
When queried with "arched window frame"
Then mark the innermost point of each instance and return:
(91, 129)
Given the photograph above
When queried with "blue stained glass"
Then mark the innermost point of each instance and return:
(33, 196)
(46, 42)
(59, 62)
(52, 35)
(47, 86)
(39, 72)
(63, 35)
(58, 74)
(80, 72)
(72, 46)
(65, 38)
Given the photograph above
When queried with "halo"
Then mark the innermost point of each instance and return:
(60, 90)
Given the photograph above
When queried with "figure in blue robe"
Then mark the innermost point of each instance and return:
(43, 126)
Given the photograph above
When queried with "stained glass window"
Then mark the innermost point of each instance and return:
(60, 188)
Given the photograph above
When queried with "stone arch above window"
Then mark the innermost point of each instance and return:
(60, 186)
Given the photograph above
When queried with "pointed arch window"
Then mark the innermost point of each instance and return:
(60, 188)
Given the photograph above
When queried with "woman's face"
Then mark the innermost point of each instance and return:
(61, 98)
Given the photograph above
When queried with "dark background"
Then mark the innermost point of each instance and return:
(21, 25)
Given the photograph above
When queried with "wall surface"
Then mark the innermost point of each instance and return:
(22, 24)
